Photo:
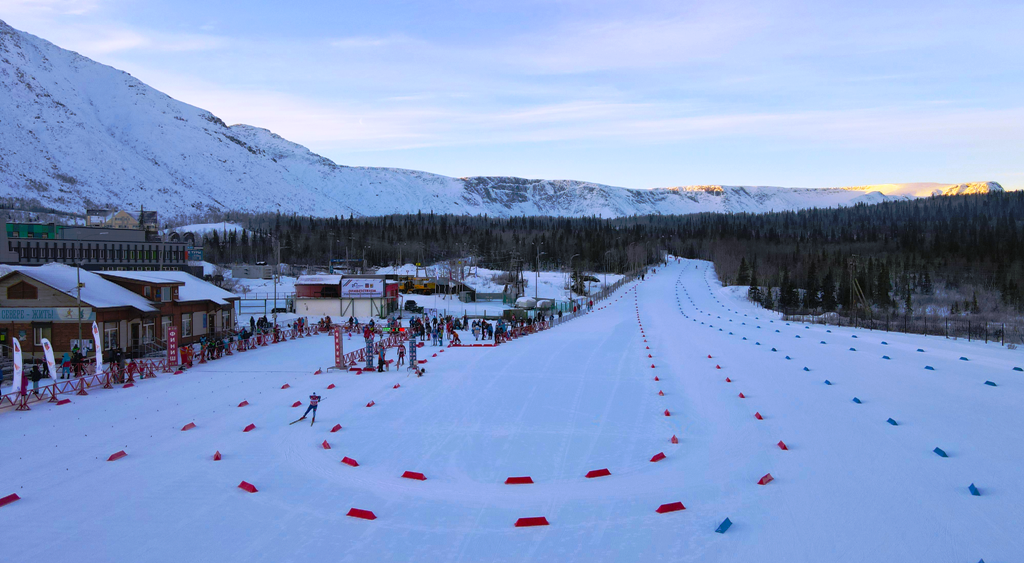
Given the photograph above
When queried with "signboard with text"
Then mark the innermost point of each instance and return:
(172, 345)
(339, 351)
(29, 314)
(356, 288)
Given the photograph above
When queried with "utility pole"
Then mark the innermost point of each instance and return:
(277, 278)
(78, 286)
(536, 283)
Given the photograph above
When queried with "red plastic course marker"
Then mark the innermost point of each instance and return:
(331, 386)
(598, 473)
(652, 366)
(243, 404)
(421, 361)
(285, 386)
(127, 385)
(649, 356)
(370, 404)
(674, 440)
(116, 456)
(350, 461)
(709, 356)
(718, 366)
(656, 378)
(658, 457)
(670, 507)
(325, 445)
(217, 456)
(336, 428)
(297, 404)
(188, 426)
(249, 428)
(782, 445)
(667, 413)
(533, 521)
(414, 475)
(179, 372)
(766, 479)
(742, 396)
(247, 487)
(727, 380)
(434, 356)
(758, 416)
(661, 393)
(63, 401)
(397, 385)
(9, 499)
(518, 481)
(317, 372)
(360, 513)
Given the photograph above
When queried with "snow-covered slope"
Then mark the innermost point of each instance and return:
(849, 488)
(75, 133)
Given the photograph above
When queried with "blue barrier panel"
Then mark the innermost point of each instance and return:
(940, 452)
(723, 526)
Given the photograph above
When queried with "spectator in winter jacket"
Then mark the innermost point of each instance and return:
(34, 376)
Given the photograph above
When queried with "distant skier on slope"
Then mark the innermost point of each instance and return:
(314, 400)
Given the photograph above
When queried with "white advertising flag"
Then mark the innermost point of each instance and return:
(99, 348)
(18, 375)
(50, 363)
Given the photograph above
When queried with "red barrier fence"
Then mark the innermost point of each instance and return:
(141, 369)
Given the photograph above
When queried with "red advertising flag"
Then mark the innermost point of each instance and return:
(172, 345)
(338, 349)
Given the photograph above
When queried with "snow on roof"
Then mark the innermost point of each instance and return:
(319, 279)
(97, 292)
(194, 289)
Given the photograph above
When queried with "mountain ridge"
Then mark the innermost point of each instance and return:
(76, 133)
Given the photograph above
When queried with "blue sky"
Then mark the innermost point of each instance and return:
(636, 94)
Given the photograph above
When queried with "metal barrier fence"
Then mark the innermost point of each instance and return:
(928, 326)
(143, 369)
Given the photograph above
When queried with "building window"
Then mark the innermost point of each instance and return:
(41, 332)
(146, 291)
(165, 322)
(225, 322)
(204, 320)
(186, 325)
(110, 339)
(148, 330)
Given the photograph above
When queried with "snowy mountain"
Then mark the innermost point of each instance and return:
(75, 133)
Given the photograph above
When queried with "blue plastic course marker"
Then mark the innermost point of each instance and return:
(884, 343)
(963, 358)
(940, 452)
(929, 368)
(827, 382)
(823, 342)
(828, 330)
(806, 369)
(886, 358)
(853, 349)
(892, 422)
(774, 350)
(992, 383)
(788, 358)
(974, 490)
(856, 400)
(1018, 369)
(723, 526)
(853, 336)
(920, 349)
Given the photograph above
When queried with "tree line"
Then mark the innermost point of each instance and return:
(939, 255)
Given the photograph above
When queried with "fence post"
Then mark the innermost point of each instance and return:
(1002, 334)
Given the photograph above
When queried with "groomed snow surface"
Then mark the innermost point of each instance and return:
(851, 487)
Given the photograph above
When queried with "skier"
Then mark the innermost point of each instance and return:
(401, 357)
(314, 400)
(381, 361)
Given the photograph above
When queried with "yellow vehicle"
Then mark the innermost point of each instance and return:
(423, 286)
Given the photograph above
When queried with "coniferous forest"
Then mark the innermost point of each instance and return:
(945, 256)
